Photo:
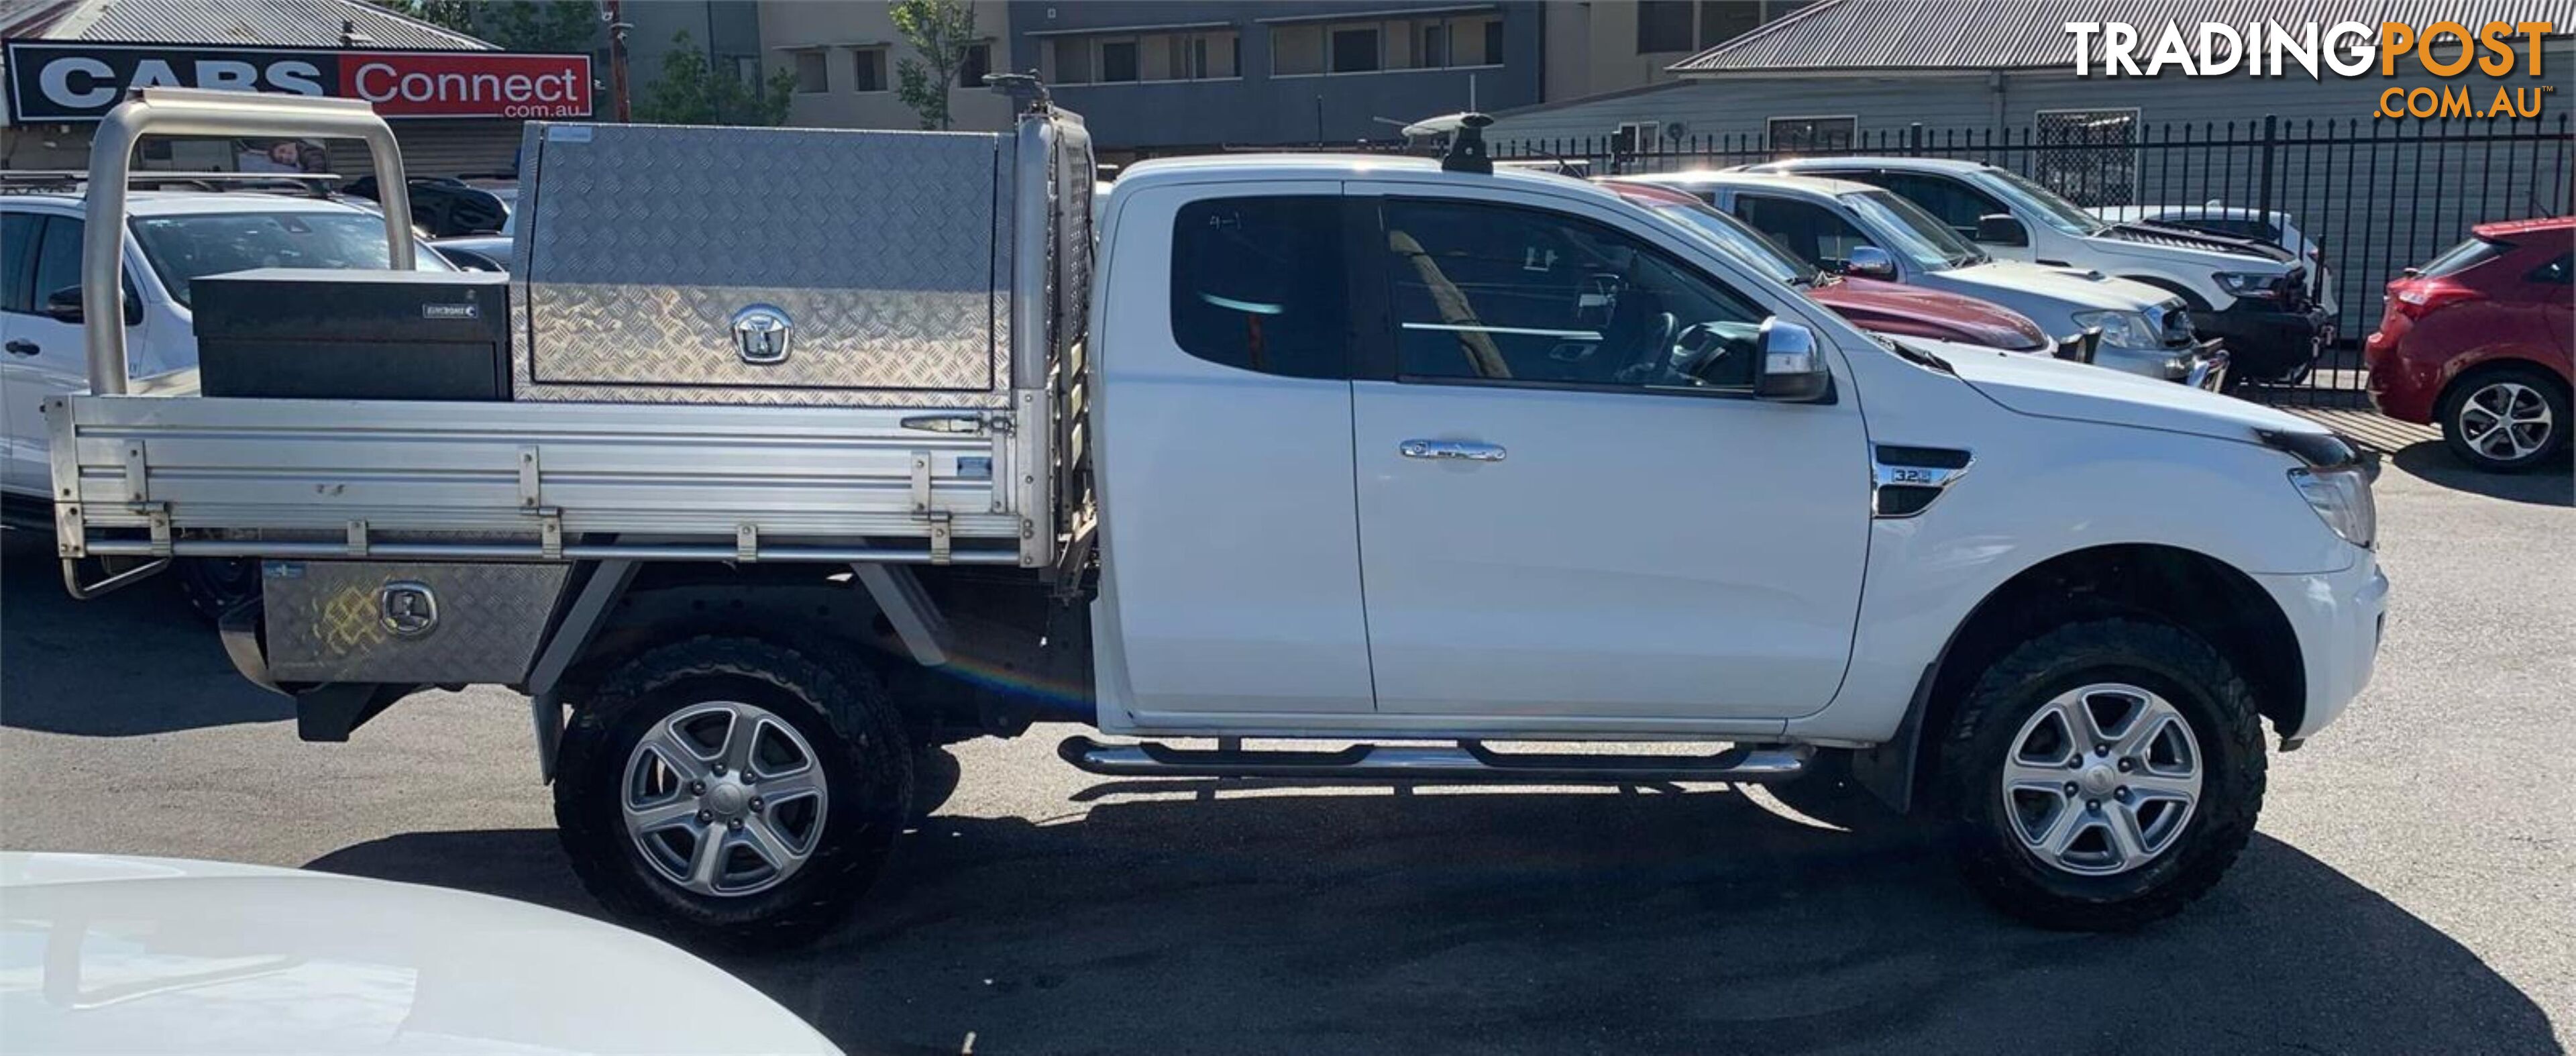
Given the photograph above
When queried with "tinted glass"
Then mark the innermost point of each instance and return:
(1258, 283)
(183, 249)
(1816, 234)
(58, 258)
(2453, 261)
(18, 253)
(1910, 232)
(2555, 272)
(1954, 203)
(1500, 294)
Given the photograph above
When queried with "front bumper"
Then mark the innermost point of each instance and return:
(2268, 343)
(2338, 617)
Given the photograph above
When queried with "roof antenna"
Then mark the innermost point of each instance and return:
(1467, 146)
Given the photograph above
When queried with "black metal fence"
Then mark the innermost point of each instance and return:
(2374, 197)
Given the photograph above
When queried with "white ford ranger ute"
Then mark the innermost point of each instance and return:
(1413, 456)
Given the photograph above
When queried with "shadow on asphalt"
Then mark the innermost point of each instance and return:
(1547, 922)
(2551, 485)
(106, 667)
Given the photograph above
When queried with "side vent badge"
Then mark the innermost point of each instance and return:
(1905, 480)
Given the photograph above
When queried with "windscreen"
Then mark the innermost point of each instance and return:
(1911, 232)
(2038, 200)
(183, 249)
(1749, 245)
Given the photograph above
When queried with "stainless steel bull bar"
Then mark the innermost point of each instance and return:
(195, 112)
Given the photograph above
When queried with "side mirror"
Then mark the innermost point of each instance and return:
(1792, 371)
(1870, 262)
(64, 306)
(2000, 229)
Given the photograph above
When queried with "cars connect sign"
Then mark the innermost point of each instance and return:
(79, 81)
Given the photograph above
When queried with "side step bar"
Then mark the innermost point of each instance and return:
(1467, 761)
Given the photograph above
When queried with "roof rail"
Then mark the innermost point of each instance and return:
(316, 184)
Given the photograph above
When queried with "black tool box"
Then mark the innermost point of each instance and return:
(307, 333)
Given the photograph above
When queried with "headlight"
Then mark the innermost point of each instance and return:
(2341, 497)
(2124, 329)
(2249, 283)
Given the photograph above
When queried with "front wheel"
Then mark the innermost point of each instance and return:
(2103, 775)
(733, 791)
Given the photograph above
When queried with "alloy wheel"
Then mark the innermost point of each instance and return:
(2102, 779)
(724, 799)
(2505, 421)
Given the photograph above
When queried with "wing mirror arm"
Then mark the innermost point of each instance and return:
(2001, 229)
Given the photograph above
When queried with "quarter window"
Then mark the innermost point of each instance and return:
(1493, 293)
(1258, 283)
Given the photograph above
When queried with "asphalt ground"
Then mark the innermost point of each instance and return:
(2409, 890)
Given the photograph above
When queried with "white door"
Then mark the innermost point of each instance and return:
(1556, 521)
(44, 357)
(1230, 581)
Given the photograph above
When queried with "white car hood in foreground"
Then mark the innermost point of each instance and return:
(2055, 388)
(111, 954)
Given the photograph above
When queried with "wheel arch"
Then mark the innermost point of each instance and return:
(2470, 366)
(2201, 594)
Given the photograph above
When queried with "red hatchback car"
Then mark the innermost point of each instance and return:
(2478, 342)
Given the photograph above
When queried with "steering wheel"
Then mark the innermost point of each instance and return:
(1698, 348)
(1653, 368)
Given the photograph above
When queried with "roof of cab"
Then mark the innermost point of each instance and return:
(1245, 167)
(1742, 178)
(1911, 164)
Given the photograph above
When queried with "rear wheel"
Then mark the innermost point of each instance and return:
(732, 790)
(2505, 419)
(2103, 775)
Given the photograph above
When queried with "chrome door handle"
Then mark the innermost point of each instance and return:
(1463, 449)
(23, 347)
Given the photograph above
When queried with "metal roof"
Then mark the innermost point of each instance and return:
(280, 23)
(2021, 34)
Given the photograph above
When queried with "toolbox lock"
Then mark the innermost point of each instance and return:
(760, 334)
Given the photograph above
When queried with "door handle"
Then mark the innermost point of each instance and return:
(23, 347)
(1468, 450)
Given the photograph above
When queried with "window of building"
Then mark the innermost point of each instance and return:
(746, 68)
(813, 72)
(974, 64)
(1355, 49)
(1807, 135)
(1724, 20)
(1663, 25)
(1494, 293)
(1437, 43)
(1191, 55)
(1117, 61)
(1297, 49)
(1258, 284)
(870, 70)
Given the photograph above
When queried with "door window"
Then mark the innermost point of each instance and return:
(1955, 203)
(1258, 283)
(18, 253)
(1493, 293)
(58, 259)
(1816, 234)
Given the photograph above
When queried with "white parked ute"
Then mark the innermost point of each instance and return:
(1423, 456)
(2254, 296)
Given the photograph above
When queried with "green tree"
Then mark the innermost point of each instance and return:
(940, 32)
(457, 15)
(689, 93)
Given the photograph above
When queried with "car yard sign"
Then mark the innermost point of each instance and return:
(78, 81)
